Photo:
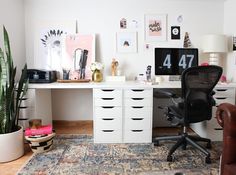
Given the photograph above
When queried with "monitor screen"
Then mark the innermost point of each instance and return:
(173, 61)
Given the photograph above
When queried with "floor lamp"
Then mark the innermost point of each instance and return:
(214, 45)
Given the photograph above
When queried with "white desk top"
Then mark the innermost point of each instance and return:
(127, 84)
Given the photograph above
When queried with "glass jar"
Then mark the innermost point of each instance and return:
(97, 76)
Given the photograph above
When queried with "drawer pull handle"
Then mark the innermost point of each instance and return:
(221, 90)
(107, 130)
(137, 107)
(137, 118)
(107, 98)
(221, 98)
(23, 107)
(137, 98)
(107, 107)
(138, 90)
(218, 129)
(108, 119)
(107, 90)
(137, 130)
(23, 118)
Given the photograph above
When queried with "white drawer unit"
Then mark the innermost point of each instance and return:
(27, 109)
(137, 123)
(137, 93)
(107, 93)
(107, 136)
(138, 111)
(136, 102)
(108, 101)
(137, 115)
(137, 136)
(107, 113)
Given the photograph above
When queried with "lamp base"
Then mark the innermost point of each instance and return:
(214, 59)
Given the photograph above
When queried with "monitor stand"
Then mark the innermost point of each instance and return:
(175, 78)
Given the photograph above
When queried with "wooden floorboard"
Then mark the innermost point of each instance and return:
(66, 127)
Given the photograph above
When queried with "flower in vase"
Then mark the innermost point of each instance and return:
(96, 66)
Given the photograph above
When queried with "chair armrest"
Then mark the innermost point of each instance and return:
(167, 93)
(226, 116)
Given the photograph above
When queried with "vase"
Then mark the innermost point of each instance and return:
(11, 145)
(97, 76)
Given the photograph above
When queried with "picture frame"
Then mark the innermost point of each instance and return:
(79, 54)
(48, 42)
(155, 27)
(126, 42)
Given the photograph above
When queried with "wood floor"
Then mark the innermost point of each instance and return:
(64, 127)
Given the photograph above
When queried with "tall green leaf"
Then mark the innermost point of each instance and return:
(10, 94)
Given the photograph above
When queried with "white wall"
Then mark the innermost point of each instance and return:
(230, 30)
(102, 18)
(12, 16)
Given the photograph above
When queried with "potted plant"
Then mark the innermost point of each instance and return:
(11, 95)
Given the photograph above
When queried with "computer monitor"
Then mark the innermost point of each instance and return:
(173, 61)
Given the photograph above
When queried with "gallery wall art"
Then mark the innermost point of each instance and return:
(155, 27)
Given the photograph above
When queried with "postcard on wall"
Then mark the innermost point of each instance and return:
(49, 38)
(126, 42)
(155, 27)
(79, 53)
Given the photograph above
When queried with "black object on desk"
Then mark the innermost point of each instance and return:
(41, 76)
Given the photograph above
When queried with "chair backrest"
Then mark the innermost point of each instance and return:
(197, 86)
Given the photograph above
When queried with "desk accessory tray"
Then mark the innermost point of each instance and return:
(74, 81)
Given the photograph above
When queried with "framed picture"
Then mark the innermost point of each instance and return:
(155, 27)
(175, 32)
(126, 42)
(78, 54)
(48, 40)
(234, 43)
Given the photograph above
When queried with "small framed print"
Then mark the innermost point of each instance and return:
(155, 27)
(234, 43)
(175, 32)
(126, 42)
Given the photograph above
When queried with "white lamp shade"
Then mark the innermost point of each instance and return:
(214, 43)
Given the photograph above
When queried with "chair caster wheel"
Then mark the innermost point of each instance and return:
(156, 143)
(169, 159)
(208, 160)
(209, 146)
(184, 147)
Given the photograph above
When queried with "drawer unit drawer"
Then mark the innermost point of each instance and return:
(108, 102)
(138, 93)
(138, 136)
(107, 93)
(107, 136)
(220, 100)
(107, 112)
(137, 123)
(225, 92)
(108, 124)
(138, 112)
(138, 102)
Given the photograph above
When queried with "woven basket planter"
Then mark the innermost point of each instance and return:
(39, 144)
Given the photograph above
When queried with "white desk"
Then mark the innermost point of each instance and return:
(43, 102)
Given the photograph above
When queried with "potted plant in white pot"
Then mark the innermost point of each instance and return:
(11, 94)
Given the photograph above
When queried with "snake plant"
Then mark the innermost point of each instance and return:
(11, 92)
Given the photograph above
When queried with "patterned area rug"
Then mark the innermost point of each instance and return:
(78, 155)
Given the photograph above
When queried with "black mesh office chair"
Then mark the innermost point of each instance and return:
(196, 105)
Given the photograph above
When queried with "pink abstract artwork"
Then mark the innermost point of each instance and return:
(79, 54)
